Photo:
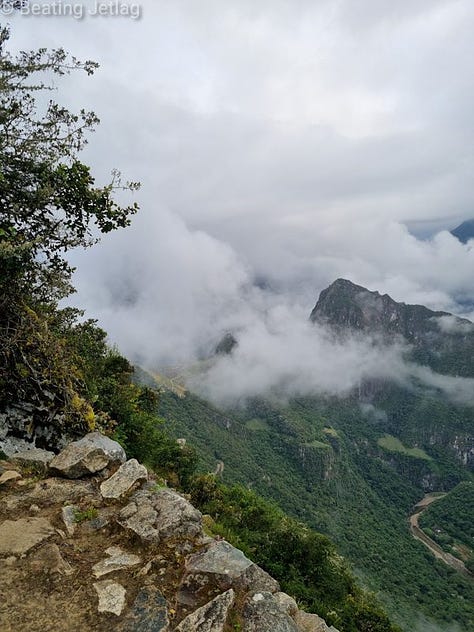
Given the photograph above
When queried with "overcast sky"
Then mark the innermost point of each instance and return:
(280, 145)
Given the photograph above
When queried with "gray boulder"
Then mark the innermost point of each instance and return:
(218, 567)
(286, 603)
(124, 479)
(89, 455)
(262, 613)
(211, 617)
(160, 515)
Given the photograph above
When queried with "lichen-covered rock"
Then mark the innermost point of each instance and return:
(218, 567)
(36, 458)
(111, 596)
(19, 536)
(124, 479)
(89, 455)
(160, 515)
(149, 613)
(211, 617)
(262, 613)
(25, 426)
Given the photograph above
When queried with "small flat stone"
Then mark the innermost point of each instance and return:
(117, 560)
(69, 518)
(111, 596)
(211, 617)
(149, 613)
(124, 479)
(19, 536)
(9, 476)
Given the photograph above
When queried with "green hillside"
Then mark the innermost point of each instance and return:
(346, 474)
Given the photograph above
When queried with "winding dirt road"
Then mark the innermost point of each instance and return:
(420, 535)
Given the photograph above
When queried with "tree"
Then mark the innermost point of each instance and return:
(49, 203)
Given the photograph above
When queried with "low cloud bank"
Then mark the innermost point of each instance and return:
(283, 355)
(166, 294)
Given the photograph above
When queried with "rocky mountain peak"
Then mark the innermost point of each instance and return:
(345, 304)
(465, 231)
(440, 339)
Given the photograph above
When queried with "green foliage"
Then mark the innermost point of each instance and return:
(450, 519)
(392, 444)
(50, 204)
(87, 514)
(305, 562)
(49, 201)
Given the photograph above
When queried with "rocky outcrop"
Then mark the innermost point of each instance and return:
(155, 515)
(218, 567)
(89, 455)
(262, 613)
(113, 550)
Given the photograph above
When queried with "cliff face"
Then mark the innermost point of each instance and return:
(89, 540)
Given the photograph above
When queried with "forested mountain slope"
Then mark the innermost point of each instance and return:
(355, 467)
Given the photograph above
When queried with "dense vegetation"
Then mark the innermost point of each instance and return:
(305, 562)
(49, 204)
(321, 461)
(57, 368)
(450, 522)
